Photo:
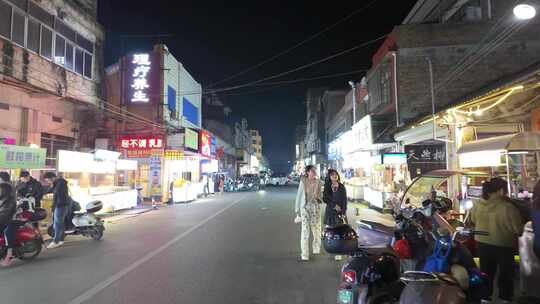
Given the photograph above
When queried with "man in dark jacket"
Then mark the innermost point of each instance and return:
(30, 187)
(60, 207)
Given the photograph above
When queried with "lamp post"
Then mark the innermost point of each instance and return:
(353, 87)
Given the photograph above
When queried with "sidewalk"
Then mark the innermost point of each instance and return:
(359, 211)
(124, 214)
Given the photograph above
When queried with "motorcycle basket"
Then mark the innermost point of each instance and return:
(341, 239)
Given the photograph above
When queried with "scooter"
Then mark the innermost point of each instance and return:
(28, 239)
(371, 273)
(85, 223)
(466, 284)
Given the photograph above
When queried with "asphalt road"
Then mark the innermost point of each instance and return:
(236, 248)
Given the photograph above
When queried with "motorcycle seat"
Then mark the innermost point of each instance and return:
(376, 226)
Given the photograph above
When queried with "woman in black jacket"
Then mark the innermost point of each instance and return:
(335, 198)
(8, 208)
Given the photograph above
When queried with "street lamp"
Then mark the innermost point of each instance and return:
(524, 11)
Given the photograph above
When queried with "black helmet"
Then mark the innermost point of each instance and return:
(341, 239)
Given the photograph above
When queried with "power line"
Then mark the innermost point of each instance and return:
(301, 67)
(326, 29)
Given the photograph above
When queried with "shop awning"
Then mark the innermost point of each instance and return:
(526, 141)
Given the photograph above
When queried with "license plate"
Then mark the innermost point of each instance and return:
(345, 296)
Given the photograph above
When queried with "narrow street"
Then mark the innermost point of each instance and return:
(235, 248)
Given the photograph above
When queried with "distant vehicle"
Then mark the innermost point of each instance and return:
(248, 182)
(279, 180)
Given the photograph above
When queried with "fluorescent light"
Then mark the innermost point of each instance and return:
(491, 158)
(524, 11)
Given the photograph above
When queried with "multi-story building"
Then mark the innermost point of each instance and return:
(256, 143)
(315, 139)
(162, 106)
(300, 147)
(51, 67)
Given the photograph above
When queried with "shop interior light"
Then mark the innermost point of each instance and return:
(524, 11)
(490, 158)
(34, 146)
(517, 152)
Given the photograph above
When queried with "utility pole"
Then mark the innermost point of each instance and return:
(353, 87)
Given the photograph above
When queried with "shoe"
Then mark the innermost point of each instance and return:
(6, 262)
(304, 259)
(318, 252)
(54, 245)
(485, 301)
(338, 258)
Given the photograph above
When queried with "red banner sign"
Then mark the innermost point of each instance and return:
(141, 143)
(204, 143)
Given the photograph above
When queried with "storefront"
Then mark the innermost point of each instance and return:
(182, 166)
(513, 157)
(99, 176)
(148, 152)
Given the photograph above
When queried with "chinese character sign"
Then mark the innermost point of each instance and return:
(140, 146)
(141, 65)
(424, 158)
(17, 157)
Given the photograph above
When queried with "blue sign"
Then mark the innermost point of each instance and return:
(213, 144)
(190, 112)
(394, 158)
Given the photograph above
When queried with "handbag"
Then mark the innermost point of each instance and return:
(438, 261)
(335, 218)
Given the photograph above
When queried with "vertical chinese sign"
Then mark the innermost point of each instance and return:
(422, 159)
(141, 78)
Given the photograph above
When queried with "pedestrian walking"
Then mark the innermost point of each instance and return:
(308, 208)
(60, 208)
(221, 184)
(496, 215)
(335, 198)
(535, 215)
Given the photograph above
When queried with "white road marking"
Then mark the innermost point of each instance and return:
(117, 276)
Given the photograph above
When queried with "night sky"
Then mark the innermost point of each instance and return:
(216, 39)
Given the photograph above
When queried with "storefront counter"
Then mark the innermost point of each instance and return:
(187, 192)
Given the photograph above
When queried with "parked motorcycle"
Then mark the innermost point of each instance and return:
(85, 223)
(529, 266)
(28, 239)
(462, 284)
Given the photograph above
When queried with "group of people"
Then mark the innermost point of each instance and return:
(496, 213)
(311, 196)
(30, 187)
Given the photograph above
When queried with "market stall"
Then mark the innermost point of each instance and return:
(513, 157)
(183, 178)
(99, 176)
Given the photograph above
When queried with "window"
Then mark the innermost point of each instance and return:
(22, 4)
(5, 20)
(79, 61)
(57, 119)
(33, 35)
(4, 106)
(17, 30)
(87, 65)
(60, 50)
(63, 29)
(85, 44)
(69, 56)
(40, 14)
(46, 42)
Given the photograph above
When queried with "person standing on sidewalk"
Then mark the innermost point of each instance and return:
(335, 198)
(61, 207)
(502, 220)
(308, 208)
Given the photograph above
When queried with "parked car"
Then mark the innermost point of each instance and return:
(279, 180)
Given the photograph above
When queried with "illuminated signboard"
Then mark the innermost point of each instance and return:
(204, 143)
(173, 155)
(141, 68)
(141, 146)
(394, 158)
(141, 143)
(191, 139)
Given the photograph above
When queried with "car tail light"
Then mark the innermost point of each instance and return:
(348, 276)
